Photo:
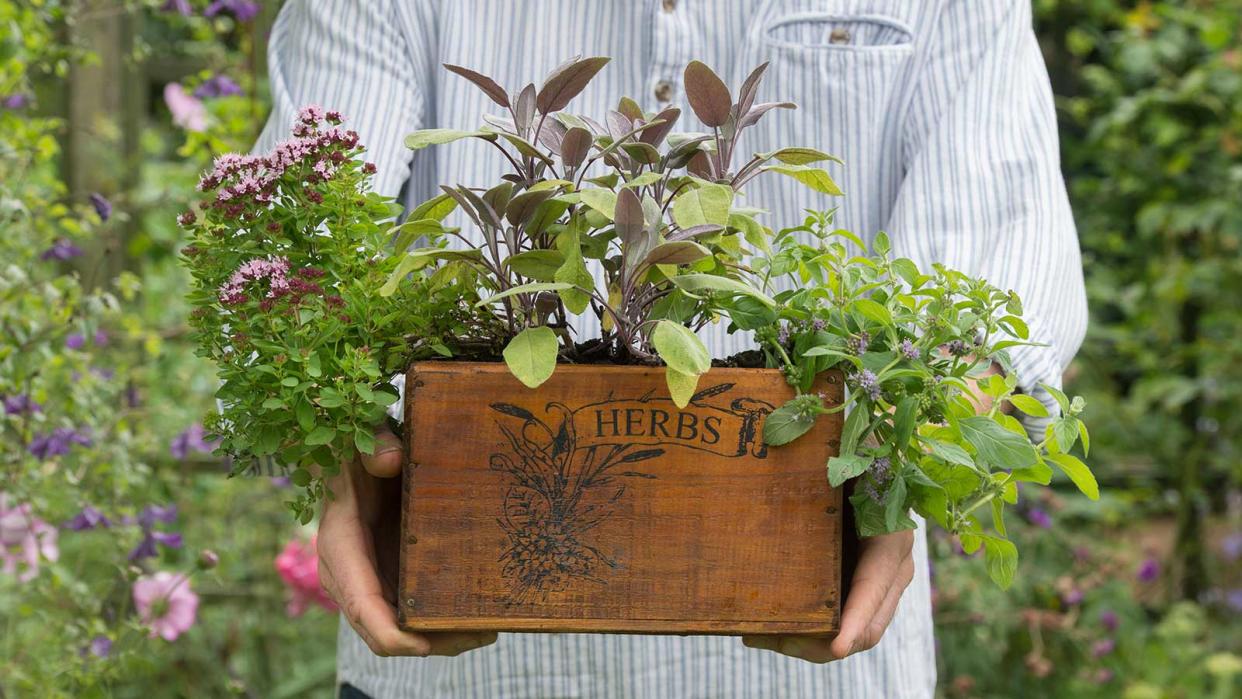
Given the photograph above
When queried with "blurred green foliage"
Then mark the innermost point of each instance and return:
(1150, 101)
(1150, 96)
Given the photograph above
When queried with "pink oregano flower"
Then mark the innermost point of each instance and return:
(166, 604)
(24, 540)
(298, 566)
(274, 269)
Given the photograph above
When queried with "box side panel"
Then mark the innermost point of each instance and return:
(594, 504)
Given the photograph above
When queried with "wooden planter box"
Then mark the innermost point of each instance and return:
(594, 504)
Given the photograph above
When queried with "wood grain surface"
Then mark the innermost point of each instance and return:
(594, 504)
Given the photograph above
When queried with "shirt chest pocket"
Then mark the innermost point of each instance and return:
(827, 32)
(848, 73)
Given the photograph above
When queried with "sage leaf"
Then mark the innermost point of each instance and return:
(489, 87)
(540, 265)
(712, 282)
(531, 355)
(676, 253)
(798, 156)
(680, 348)
(813, 177)
(707, 94)
(600, 200)
(523, 289)
(708, 204)
(681, 386)
(566, 82)
(435, 137)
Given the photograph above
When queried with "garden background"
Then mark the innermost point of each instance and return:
(110, 109)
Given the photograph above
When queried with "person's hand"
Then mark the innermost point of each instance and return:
(885, 569)
(356, 519)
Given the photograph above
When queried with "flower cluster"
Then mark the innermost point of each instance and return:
(25, 539)
(298, 566)
(58, 442)
(166, 604)
(245, 183)
(274, 269)
(217, 86)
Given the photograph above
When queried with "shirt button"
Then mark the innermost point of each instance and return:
(839, 36)
(670, 5)
(664, 91)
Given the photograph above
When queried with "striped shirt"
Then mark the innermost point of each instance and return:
(943, 114)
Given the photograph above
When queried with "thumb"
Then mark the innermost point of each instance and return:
(385, 461)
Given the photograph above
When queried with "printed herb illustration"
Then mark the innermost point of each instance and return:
(307, 302)
(557, 493)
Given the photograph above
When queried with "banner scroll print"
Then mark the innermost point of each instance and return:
(564, 476)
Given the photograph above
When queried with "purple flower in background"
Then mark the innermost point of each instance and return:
(1231, 547)
(19, 404)
(1109, 620)
(181, 7)
(1233, 600)
(150, 538)
(187, 111)
(217, 86)
(57, 442)
(1103, 647)
(243, 10)
(17, 100)
(1082, 554)
(1039, 518)
(191, 439)
(76, 341)
(103, 207)
(101, 338)
(1072, 597)
(281, 481)
(1148, 571)
(88, 518)
(1102, 676)
(100, 647)
(61, 250)
(151, 514)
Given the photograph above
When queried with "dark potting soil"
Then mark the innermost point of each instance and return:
(597, 351)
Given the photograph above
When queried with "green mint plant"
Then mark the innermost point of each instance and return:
(912, 346)
(659, 211)
(287, 255)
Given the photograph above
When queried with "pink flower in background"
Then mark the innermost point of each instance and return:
(166, 603)
(24, 540)
(188, 111)
(298, 566)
